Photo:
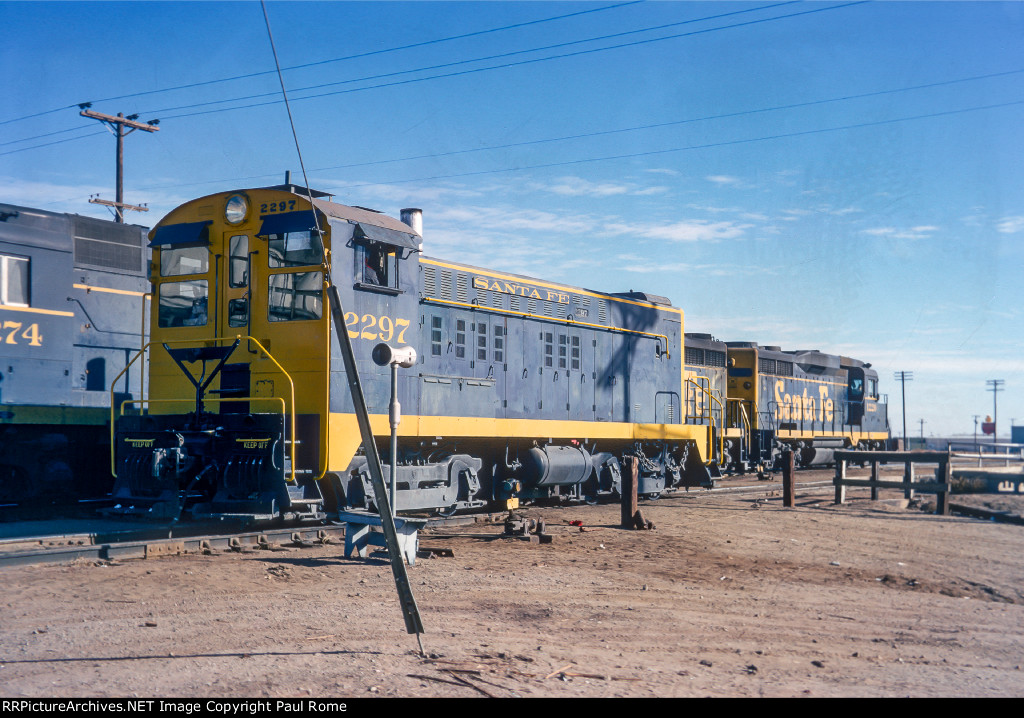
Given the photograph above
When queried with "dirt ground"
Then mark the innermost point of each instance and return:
(729, 595)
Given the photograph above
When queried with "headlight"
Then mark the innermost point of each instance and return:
(236, 209)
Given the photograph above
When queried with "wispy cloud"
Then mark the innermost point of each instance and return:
(723, 180)
(1011, 225)
(397, 194)
(713, 209)
(663, 171)
(919, 232)
(579, 187)
(511, 219)
(684, 231)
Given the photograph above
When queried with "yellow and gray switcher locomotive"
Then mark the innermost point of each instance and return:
(524, 389)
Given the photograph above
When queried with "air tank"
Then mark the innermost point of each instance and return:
(556, 466)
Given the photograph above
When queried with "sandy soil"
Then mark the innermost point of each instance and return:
(727, 596)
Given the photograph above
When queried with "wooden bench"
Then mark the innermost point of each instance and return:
(364, 529)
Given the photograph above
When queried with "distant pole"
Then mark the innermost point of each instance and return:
(117, 125)
(976, 431)
(903, 377)
(921, 421)
(995, 386)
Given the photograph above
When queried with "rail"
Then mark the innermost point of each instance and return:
(147, 297)
(1012, 452)
(741, 412)
(691, 403)
(940, 486)
(142, 351)
(711, 419)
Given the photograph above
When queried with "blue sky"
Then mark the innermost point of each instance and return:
(844, 177)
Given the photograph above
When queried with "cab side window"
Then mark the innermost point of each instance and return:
(14, 282)
(376, 264)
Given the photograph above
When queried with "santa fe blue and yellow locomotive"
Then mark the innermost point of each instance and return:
(524, 389)
(72, 292)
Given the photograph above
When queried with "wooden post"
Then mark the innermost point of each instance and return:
(944, 474)
(788, 478)
(629, 489)
(908, 479)
(874, 477)
(839, 481)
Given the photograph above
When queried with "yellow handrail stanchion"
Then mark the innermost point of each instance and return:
(711, 416)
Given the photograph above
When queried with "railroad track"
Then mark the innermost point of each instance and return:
(142, 542)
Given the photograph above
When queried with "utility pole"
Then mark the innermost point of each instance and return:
(117, 125)
(995, 386)
(903, 377)
(921, 422)
(976, 431)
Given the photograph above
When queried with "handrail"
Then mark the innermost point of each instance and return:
(711, 417)
(142, 343)
(704, 383)
(744, 419)
(291, 383)
(542, 317)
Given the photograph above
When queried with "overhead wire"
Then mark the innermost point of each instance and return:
(653, 125)
(502, 66)
(48, 144)
(709, 145)
(475, 70)
(369, 53)
(672, 123)
(634, 155)
(484, 58)
(291, 120)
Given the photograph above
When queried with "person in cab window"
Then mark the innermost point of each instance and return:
(376, 267)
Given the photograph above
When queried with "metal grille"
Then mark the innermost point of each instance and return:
(602, 311)
(531, 305)
(446, 284)
(714, 358)
(88, 228)
(497, 300)
(108, 255)
(108, 244)
(430, 281)
(705, 357)
(514, 304)
(462, 288)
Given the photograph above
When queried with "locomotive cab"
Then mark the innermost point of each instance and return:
(239, 327)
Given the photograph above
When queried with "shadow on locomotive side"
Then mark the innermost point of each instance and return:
(72, 293)
(524, 389)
